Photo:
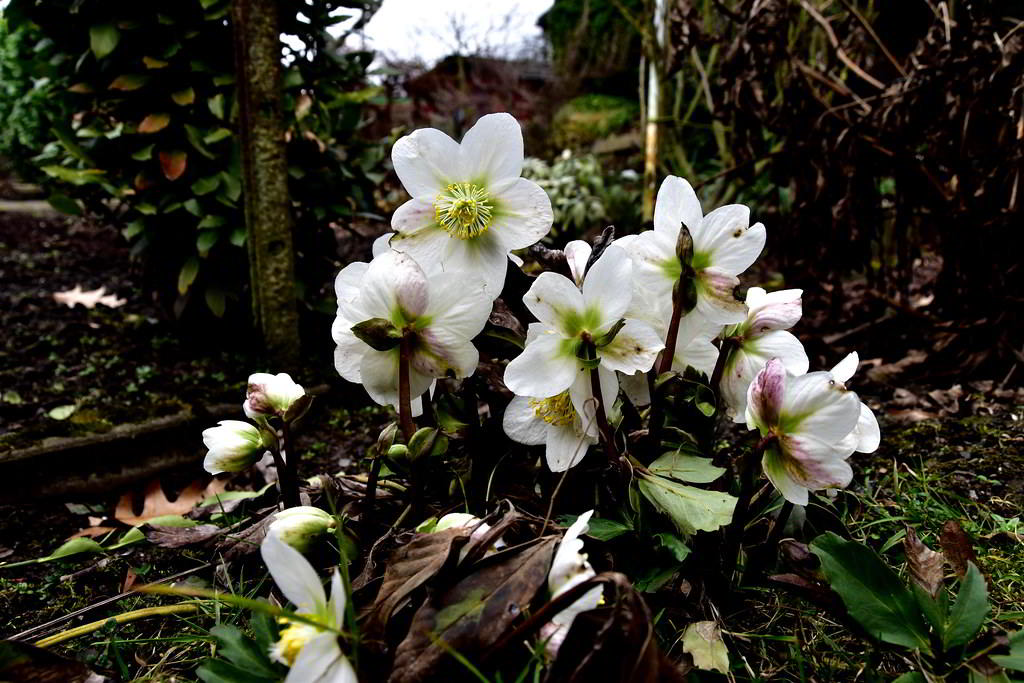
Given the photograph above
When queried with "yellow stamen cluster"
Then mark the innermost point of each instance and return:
(464, 210)
(557, 410)
(292, 640)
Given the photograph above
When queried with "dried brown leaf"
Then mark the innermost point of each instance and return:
(957, 547)
(411, 566)
(473, 614)
(925, 564)
(73, 297)
(156, 503)
(177, 537)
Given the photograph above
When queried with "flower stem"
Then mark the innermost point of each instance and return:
(122, 618)
(669, 352)
(748, 466)
(404, 398)
(291, 464)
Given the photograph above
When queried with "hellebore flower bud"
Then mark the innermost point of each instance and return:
(298, 526)
(275, 395)
(233, 446)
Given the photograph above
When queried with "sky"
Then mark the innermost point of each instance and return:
(411, 29)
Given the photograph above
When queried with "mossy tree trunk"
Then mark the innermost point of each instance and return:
(265, 176)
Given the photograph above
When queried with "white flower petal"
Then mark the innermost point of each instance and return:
(316, 661)
(336, 603)
(606, 286)
(783, 345)
(577, 253)
(846, 368)
(740, 370)
(636, 388)
(568, 560)
(822, 408)
(293, 575)
(382, 244)
(565, 447)
(581, 392)
(656, 267)
(748, 359)
(766, 396)
(521, 423)
(776, 311)
(719, 227)
(634, 348)
(869, 436)
(816, 464)
(441, 353)
(779, 476)
(412, 218)
(346, 285)
(741, 250)
(676, 204)
(715, 300)
(349, 352)
(458, 304)
(524, 214)
(483, 257)
(693, 344)
(426, 161)
(492, 150)
(552, 298)
(543, 369)
(393, 280)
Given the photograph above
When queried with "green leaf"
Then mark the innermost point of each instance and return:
(215, 301)
(192, 206)
(206, 185)
(969, 611)
(212, 221)
(216, 105)
(73, 547)
(219, 671)
(1014, 660)
(217, 135)
(195, 139)
(911, 677)
(75, 176)
(238, 237)
(673, 544)
(188, 274)
(702, 640)
(144, 154)
(872, 592)
(103, 39)
(931, 609)
(133, 229)
(606, 529)
(206, 240)
(154, 122)
(62, 412)
(691, 509)
(184, 97)
(242, 651)
(692, 468)
(128, 82)
(65, 204)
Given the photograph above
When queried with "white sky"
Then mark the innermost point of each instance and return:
(410, 29)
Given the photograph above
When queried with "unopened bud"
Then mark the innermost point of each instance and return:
(233, 446)
(427, 441)
(684, 246)
(378, 333)
(275, 396)
(299, 526)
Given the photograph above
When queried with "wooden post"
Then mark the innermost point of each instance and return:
(655, 69)
(265, 176)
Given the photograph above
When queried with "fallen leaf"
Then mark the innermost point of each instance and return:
(129, 580)
(92, 532)
(177, 537)
(156, 504)
(72, 297)
(957, 547)
(925, 564)
(702, 640)
(62, 412)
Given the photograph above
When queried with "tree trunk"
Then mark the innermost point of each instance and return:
(265, 175)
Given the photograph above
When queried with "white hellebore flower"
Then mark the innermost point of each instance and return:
(758, 339)
(312, 653)
(866, 435)
(724, 245)
(274, 395)
(569, 568)
(233, 446)
(438, 315)
(469, 205)
(807, 420)
(298, 526)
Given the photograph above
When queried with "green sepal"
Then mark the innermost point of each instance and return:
(379, 333)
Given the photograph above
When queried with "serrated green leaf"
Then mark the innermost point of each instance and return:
(872, 592)
(969, 611)
(686, 467)
(691, 509)
(103, 38)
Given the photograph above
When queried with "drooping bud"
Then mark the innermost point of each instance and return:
(299, 526)
(275, 396)
(233, 446)
(378, 333)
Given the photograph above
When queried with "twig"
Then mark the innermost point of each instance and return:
(840, 52)
(871, 32)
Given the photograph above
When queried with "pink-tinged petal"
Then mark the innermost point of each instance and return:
(715, 300)
(581, 393)
(294, 576)
(411, 218)
(607, 285)
(392, 281)
(869, 436)
(426, 161)
(740, 370)
(815, 464)
(544, 368)
(779, 476)
(776, 311)
(553, 298)
(564, 447)
(676, 204)
(817, 406)
(458, 304)
(521, 423)
(492, 150)
(634, 349)
(523, 215)
(846, 368)
(766, 395)
(439, 353)
(577, 253)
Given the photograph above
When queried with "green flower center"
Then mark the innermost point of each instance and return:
(464, 210)
(557, 410)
